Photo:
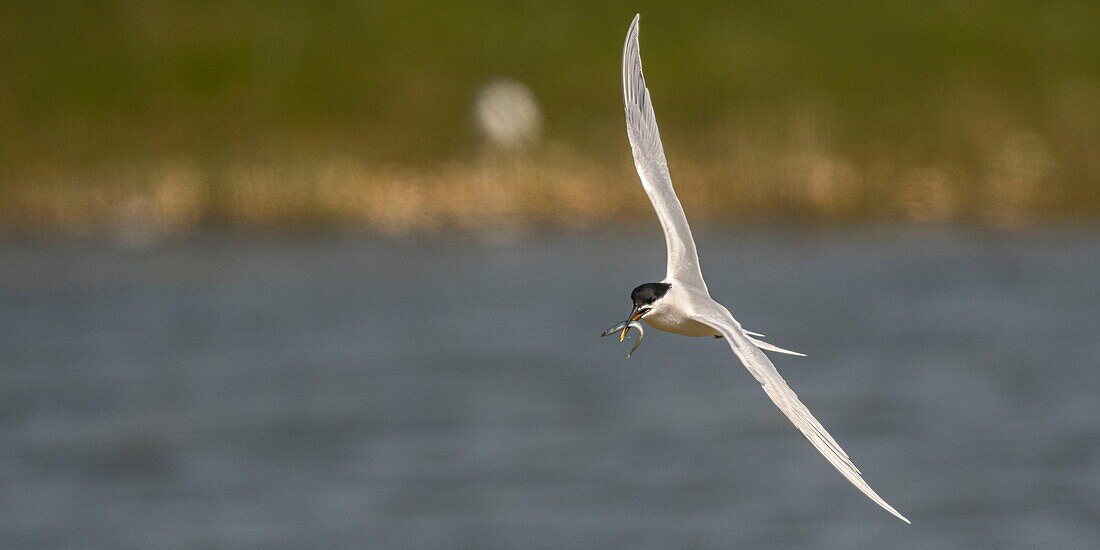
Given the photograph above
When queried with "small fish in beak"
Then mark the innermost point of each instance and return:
(625, 327)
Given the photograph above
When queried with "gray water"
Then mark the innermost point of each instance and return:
(341, 391)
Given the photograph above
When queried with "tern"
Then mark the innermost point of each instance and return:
(681, 303)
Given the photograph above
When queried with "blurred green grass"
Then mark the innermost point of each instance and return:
(240, 113)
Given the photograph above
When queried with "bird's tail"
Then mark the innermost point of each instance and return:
(771, 347)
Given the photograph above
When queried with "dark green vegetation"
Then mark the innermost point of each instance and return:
(275, 113)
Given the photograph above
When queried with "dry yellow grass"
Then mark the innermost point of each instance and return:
(1016, 181)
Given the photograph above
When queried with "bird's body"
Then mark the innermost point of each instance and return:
(675, 312)
(681, 303)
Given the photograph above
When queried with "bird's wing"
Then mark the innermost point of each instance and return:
(784, 397)
(649, 159)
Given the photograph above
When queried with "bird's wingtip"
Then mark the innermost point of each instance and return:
(897, 514)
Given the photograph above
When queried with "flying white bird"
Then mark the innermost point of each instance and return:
(681, 303)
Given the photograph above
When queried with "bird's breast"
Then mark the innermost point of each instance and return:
(678, 324)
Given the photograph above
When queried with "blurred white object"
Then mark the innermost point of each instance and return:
(507, 114)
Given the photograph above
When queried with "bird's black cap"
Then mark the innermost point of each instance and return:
(648, 293)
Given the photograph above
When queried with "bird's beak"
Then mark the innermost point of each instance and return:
(635, 314)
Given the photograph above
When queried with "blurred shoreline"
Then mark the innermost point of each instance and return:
(1018, 186)
(175, 116)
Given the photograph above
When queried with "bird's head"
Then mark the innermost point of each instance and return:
(645, 298)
